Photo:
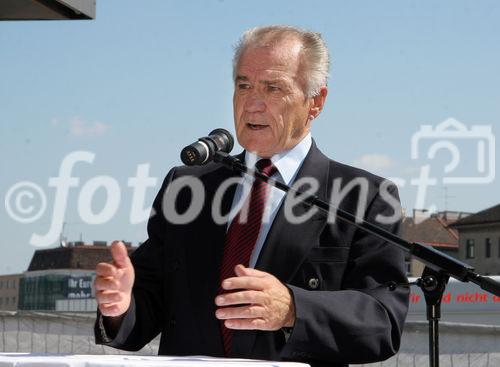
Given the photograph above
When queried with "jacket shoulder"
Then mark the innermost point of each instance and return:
(199, 171)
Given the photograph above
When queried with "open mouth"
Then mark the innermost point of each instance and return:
(256, 126)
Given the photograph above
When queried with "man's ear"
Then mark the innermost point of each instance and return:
(318, 102)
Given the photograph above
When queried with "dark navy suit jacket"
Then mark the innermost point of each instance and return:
(345, 313)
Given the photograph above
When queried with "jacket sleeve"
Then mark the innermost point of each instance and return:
(146, 315)
(363, 321)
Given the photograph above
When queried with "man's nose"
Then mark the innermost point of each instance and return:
(255, 103)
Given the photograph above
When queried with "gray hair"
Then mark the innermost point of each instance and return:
(315, 60)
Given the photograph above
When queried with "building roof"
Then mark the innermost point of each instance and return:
(432, 231)
(486, 216)
(47, 9)
(74, 257)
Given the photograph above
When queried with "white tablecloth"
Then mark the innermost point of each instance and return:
(59, 360)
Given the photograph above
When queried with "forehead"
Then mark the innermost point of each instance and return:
(281, 58)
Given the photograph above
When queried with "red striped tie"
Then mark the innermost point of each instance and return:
(242, 235)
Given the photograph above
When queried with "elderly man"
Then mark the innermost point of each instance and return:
(262, 285)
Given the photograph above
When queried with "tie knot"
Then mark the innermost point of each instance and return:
(266, 167)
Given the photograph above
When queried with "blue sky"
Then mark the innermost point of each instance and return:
(144, 79)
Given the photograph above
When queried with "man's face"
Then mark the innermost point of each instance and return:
(271, 112)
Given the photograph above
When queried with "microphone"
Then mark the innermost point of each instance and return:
(203, 151)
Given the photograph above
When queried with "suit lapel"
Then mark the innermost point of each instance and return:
(287, 244)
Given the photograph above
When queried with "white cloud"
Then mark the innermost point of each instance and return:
(374, 162)
(79, 127)
(82, 128)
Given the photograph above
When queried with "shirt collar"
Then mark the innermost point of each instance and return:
(288, 161)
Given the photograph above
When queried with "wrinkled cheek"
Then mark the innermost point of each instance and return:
(238, 121)
(280, 132)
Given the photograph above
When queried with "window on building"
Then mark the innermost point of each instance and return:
(13, 300)
(499, 247)
(1, 281)
(470, 249)
(1, 301)
(408, 267)
(487, 244)
(6, 301)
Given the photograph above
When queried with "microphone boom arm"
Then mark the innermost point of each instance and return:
(431, 257)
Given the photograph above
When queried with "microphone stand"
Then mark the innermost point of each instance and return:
(439, 267)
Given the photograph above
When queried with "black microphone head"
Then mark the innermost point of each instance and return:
(223, 139)
(203, 151)
(197, 153)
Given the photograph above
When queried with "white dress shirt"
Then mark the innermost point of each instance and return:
(287, 164)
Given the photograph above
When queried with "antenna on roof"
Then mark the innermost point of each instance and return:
(446, 197)
(62, 239)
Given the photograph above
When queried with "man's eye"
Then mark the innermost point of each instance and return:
(273, 88)
(243, 86)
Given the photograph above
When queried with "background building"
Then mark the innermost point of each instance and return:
(9, 291)
(479, 243)
(431, 230)
(60, 279)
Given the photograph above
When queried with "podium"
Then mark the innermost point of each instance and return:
(123, 360)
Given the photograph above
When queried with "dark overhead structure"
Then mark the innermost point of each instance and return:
(47, 9)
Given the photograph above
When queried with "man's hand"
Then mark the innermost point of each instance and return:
(261, 301)
(113, 282)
